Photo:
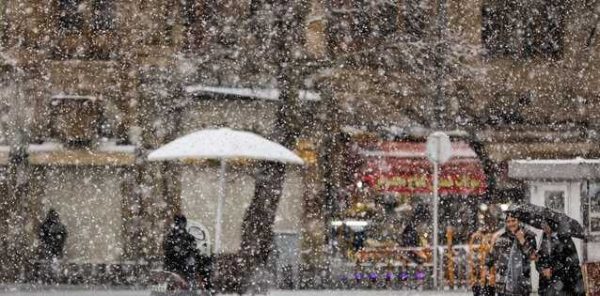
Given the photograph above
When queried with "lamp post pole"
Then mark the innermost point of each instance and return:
(439, 123)
(439, 150)
(439, 103)
(435, 222)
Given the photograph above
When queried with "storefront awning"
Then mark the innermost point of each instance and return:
(402, 167)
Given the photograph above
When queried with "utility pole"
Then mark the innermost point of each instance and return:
(439, 121)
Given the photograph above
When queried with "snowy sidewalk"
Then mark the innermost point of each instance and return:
(71, 291)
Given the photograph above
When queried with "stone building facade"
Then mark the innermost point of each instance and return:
(131, 67)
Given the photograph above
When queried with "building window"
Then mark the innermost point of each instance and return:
(415, 17)
(594, 213)
(555, 200)
(523, 29)
(70, 18)
(84, 30)
(359, 23)
(102, 16)
(195, 14)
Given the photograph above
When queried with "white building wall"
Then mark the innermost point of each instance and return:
(88, 200)
(199, 201)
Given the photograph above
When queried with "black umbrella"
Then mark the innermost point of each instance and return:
(535, 216)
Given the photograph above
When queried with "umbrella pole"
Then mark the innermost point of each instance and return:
(220, 201)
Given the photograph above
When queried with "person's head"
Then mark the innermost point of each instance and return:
(52, 214)
(549, 227)
(512, 222)
(421, 214)
(180, 221)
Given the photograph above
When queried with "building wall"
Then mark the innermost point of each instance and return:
(513, 104)
(255, 115)
(88, 200)
(132, 69)
(200, 191)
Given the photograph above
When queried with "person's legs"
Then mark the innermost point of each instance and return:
(205, 271)
(190, 277)
(476, 290)
(488, 291)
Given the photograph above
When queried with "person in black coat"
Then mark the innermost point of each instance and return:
(558, 264)
(409, 238)
(512, 251)
(180, 250)
(52, 235)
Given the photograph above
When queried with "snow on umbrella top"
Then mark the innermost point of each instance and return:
(224, 143)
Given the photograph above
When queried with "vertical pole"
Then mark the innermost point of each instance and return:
(219, 218)
(440, 99)
(435, 223)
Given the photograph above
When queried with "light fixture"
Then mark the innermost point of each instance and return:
(337, 223)
(483, 207)
(356, 223)
(359, 184)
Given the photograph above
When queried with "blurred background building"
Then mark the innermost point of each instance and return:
(89, 87)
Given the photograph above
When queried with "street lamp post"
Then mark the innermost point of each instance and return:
(439, 150)
(439, 102)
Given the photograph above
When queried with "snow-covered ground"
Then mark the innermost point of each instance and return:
(72, 292)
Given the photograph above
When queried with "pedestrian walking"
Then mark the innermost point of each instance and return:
(53, 235)
(205, 269)
(411, 238)
(558, 264)
(180, 250)
(513, 248)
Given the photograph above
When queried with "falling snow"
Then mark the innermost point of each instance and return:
(301, 147)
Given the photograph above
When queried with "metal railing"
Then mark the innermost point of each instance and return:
(396, 268)
(454, 267)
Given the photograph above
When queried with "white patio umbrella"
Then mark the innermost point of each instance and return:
(223, 144)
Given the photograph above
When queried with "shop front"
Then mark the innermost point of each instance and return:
(383, 224)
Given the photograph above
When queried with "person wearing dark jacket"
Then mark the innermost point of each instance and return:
(512, 251)
(180, 250)
(52, 235)
(558, 264)
(409, 237)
